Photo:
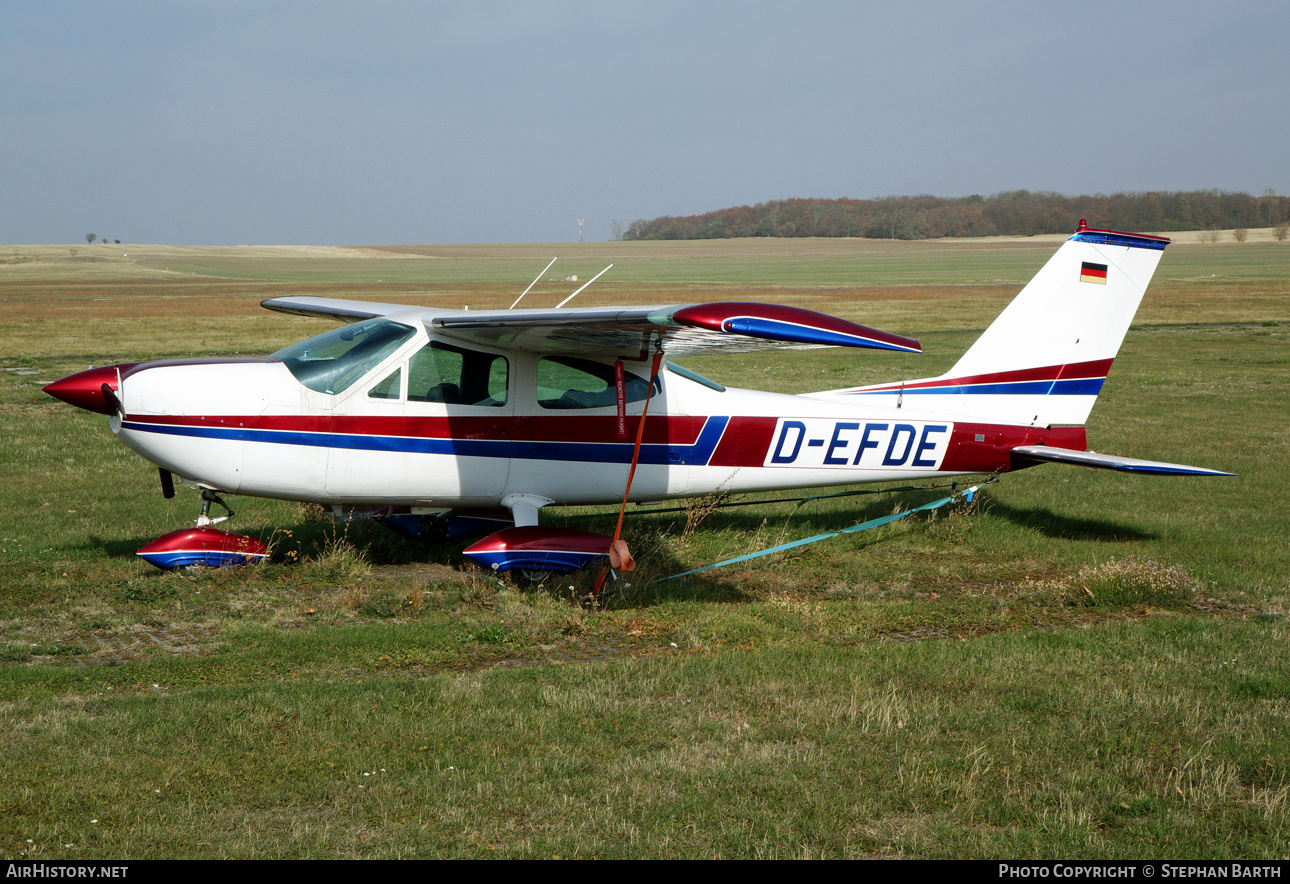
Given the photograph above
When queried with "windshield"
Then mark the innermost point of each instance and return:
(332, 361)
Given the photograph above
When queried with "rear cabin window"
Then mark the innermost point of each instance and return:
(455, 376)
(569, 382)
(333, 361)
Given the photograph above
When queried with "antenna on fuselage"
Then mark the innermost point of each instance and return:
(575, 294)
(533, 283)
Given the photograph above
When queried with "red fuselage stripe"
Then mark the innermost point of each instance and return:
(973, 447)
(1075, 371)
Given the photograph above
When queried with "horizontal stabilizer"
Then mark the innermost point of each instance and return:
(1110, 462)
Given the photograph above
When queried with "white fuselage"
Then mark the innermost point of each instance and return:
(251, 427)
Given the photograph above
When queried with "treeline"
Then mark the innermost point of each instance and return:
(1016, 213)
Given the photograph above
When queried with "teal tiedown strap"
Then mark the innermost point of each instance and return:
(967, 493)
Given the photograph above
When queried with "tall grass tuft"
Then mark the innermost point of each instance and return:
(1133, 581)
(340, 562)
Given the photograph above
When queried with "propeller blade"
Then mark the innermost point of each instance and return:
(109, 396)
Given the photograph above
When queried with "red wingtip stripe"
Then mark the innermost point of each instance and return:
(717, 314)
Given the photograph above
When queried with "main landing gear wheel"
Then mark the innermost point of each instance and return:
(536, 576)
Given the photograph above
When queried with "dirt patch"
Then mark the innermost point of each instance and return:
(114, 649)
(422, 572)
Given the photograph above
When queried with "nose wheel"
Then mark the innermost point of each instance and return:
(204, 546)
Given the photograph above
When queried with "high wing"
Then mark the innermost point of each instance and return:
(1045, 453)
(675, 329)
(694, 328)
(335, 308)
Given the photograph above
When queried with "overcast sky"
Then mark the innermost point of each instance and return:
(223, 123)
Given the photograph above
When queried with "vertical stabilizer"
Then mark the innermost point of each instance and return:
(1044, 360)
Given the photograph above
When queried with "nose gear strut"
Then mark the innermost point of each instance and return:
(209, 497)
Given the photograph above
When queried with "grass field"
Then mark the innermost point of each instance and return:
(1079, 664)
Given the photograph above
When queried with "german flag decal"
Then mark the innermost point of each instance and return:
(1090, 272)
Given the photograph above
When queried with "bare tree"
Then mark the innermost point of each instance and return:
(1240, 234)
(1281, 230)
(89, 237)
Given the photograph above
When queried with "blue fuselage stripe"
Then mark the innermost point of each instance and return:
(593, 452)
(1071, 387)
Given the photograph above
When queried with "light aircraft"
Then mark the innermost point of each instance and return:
(480, 419)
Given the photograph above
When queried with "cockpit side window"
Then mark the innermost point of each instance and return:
(456, 376)
(333, 361)
(391, 387)
(569, 382)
